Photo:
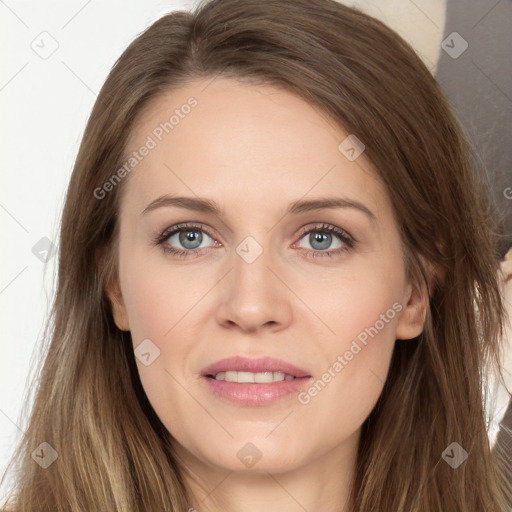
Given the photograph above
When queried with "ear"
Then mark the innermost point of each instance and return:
(106, 268)
(412, 317)
(117, 306)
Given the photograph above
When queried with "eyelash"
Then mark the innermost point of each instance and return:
(347, 240)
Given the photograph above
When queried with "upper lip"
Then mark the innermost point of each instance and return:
(254, 365)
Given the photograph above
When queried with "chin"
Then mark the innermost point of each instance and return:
(255, 455)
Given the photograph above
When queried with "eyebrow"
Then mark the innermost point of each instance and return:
(208, 206)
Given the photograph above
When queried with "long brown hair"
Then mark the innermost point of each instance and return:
(90, 407)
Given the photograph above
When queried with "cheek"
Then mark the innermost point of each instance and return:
(158, 305)
(157, 296)
(346, 301)
(359, 313)
(163, 304)
(150, 306)
(357, 363)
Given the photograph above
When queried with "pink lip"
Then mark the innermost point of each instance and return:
(252, 394)
(261, 364)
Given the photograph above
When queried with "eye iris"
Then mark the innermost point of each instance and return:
(188, 238)
(324, 239)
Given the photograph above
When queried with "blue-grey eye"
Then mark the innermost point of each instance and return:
(322, 240)
(188, 239)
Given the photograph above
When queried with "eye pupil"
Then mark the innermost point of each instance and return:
(321, 238)
(189, 238)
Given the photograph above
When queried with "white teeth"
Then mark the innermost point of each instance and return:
(246, 377)
(259, 378)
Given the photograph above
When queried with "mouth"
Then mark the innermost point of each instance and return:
(257, 378)
(245, 367)
(252, 382)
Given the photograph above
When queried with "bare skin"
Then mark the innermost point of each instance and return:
(254, 150)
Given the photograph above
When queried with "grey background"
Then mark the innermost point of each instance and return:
(479, 86)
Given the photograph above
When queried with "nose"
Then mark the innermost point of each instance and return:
(254, 295)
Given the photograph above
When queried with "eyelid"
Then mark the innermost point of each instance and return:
(193, 226)
(322, 226)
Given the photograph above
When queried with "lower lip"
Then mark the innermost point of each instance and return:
(252, 394)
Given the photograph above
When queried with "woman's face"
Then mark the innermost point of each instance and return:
(290, 261)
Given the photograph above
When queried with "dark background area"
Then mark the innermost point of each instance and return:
(478, 84)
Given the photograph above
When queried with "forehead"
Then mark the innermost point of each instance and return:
(253, 144)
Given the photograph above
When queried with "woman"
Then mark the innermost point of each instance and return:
(277, 280)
